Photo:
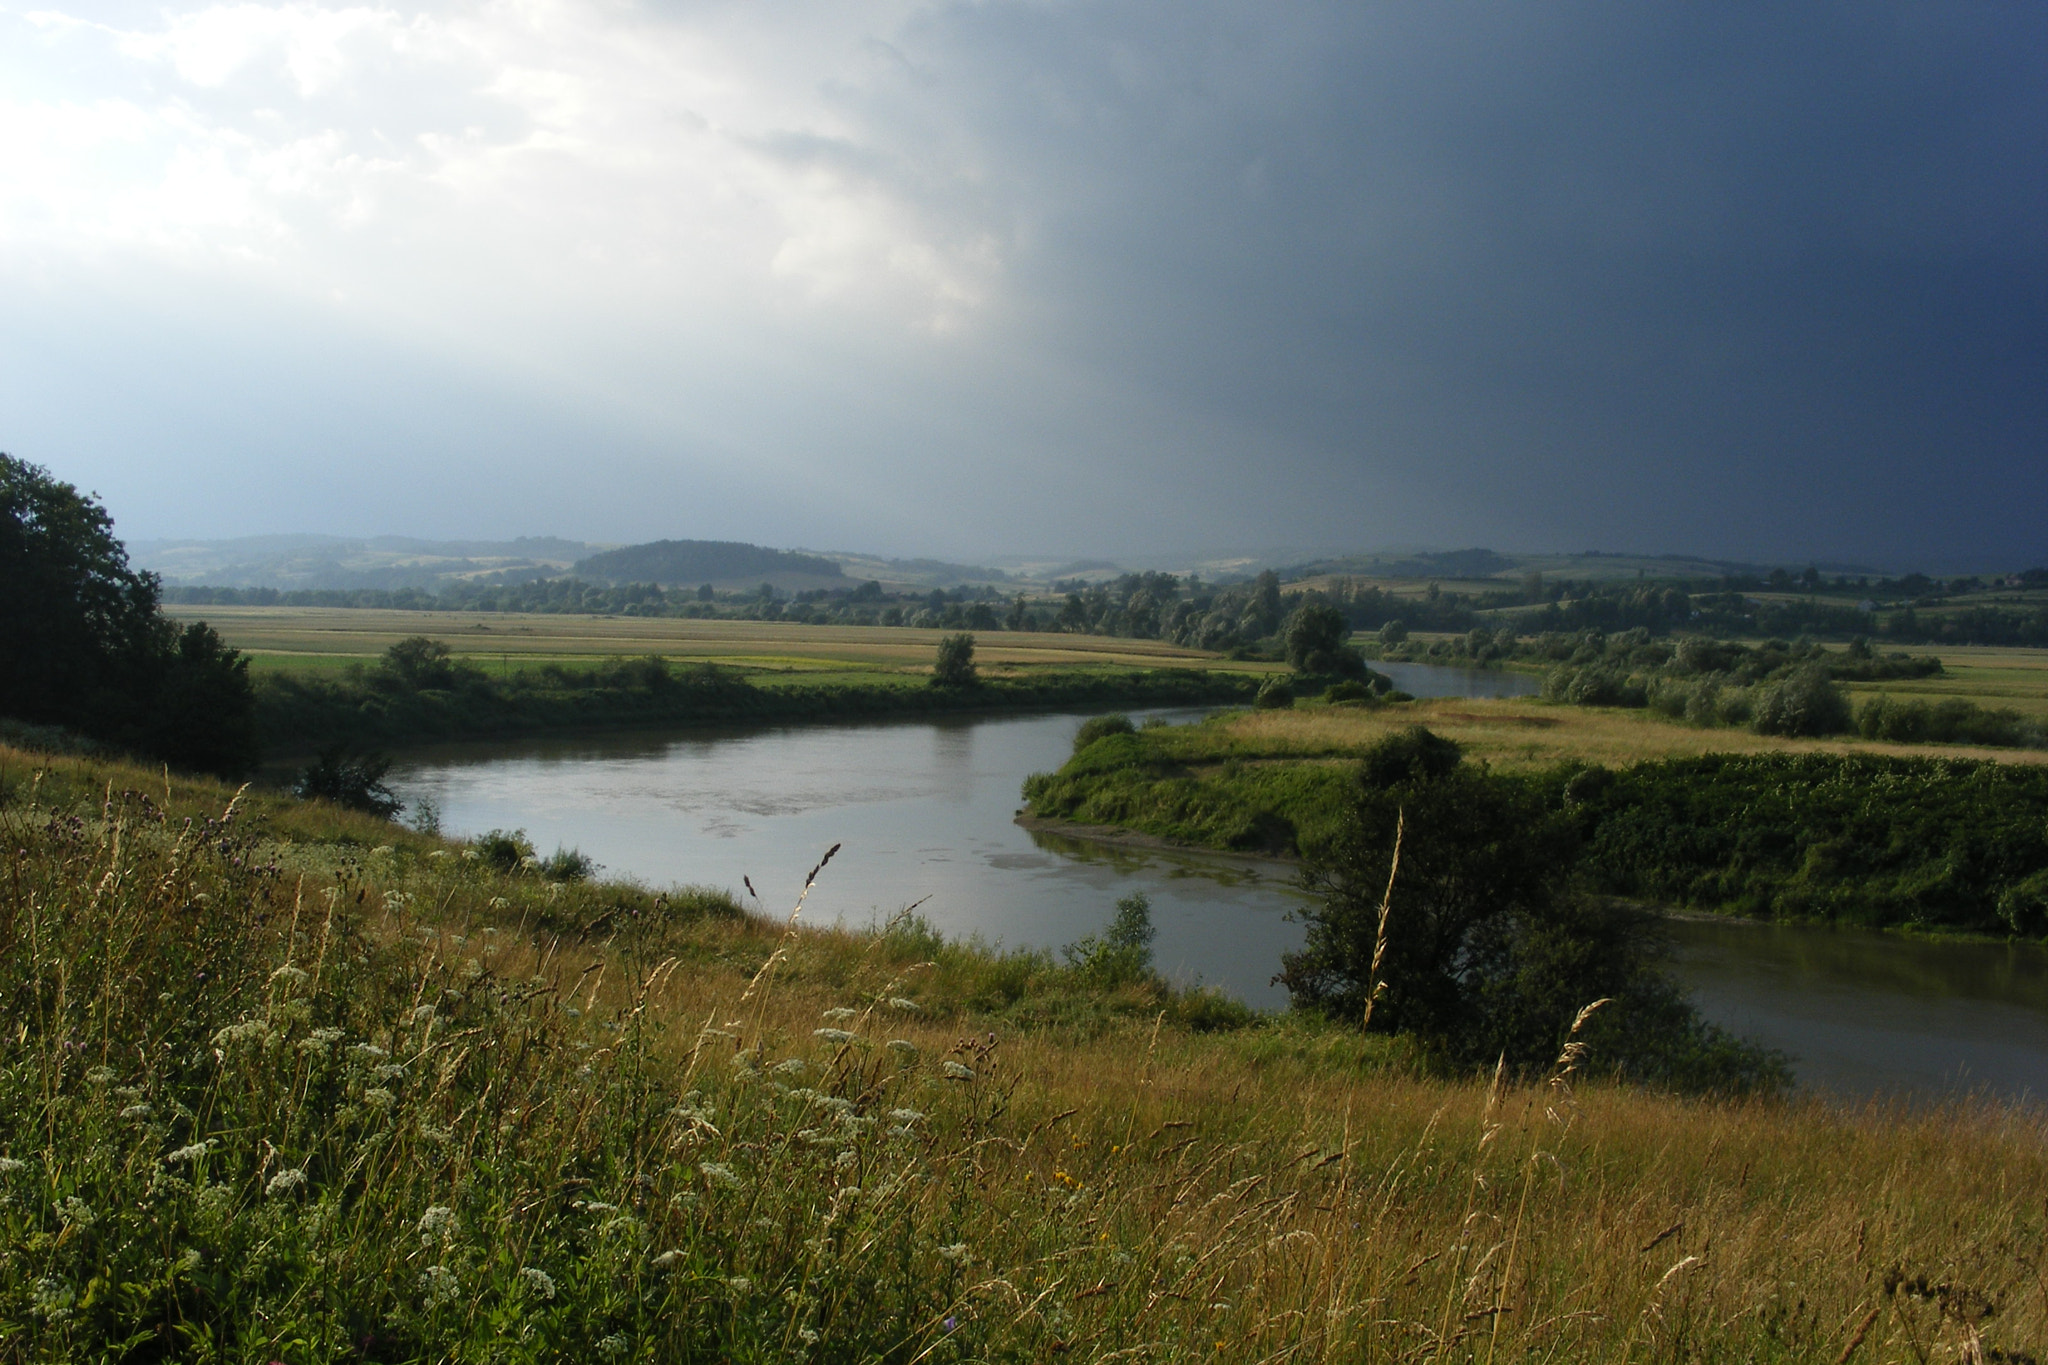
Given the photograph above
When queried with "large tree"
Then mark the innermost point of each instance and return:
(87, 646)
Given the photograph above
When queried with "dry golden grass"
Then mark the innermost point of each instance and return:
(1521, 734)
(1108, 1187)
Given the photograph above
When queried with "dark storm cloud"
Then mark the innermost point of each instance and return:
(1763, 280)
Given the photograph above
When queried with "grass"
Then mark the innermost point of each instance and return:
(318, 639)
(296, 1085)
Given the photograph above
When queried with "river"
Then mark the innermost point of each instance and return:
(924, 814)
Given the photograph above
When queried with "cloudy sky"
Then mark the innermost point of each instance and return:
(1756, 280)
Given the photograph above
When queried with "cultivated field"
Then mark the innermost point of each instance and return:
(1534, 734)
(317, 638)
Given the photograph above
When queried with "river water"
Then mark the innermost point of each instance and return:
(924, 813)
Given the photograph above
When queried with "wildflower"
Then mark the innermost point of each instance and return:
(438, 1283)
(100, 1075)
(845, 1160)
(954, 1071)
(290, 975)
(379, 1098)
(370, 1051)
(75, 1213)
(904, 1048)
(906, 1116)
(839, 1012)
(191, 1260)
(422, 1013)
(54, 1299)
(794, 1066)
(284, 1182)
(897, 1002)
(956, 1253)
(382, 851)
(719, 1174)
(248, 1031)
(739, 1284)
(437, 1136)
(319, 1040)
(538, 1282)
(837, 1036)
(667, 1259)
(614, 1344)
(437, 1221)
(137, 1111)
(192, 1153)
(438, 853)
(9, 1165)
(500, 903)
(951, 1323)
(809, 1337)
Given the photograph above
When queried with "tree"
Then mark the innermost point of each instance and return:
(1315, 642)
(89, 648)
(349, 779)
(955, 664)
(1486, 948)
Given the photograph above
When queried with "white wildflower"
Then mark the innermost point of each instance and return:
(719, 1174)
(904, 1047)
(845, 1159)
(54, 1298)
(290, 975)
(438, 1221)
(837, 1036)
(538, 1282)
(422, 1013)
(614, 1344)
(284, 1182)
(438, 1284)
(906, 1116)
(500, 903)
(75, 1213)
(794, 1066)
(739, 1284)
(100, 1075)
(667, 1259)
(191, 1260)
(838, 1013)
(897, 1002)
(437, 1136)
(192, 1153)
(248, 1031)
(438, 853)
(954, 1071)
(807, 1336)
(370, 1051)
(9, 1165)
(319, 1040)
(379, 1098)
(956, 1253)
(382, 851)
(138, 1111)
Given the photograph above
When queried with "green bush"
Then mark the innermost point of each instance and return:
(1122, 952)
(1274, 695)
(1100, 727)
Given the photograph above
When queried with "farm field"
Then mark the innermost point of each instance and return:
(328, 639)
(1524, 734)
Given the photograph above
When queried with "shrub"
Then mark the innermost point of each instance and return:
(1122, 953)
(955, 662)
(503, 849)
(1274, 695)
(1807, 703)
(1100, 727)
(351, 780)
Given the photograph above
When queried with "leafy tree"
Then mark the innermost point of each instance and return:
(418, 662)
(1486, 949)
(1100, 727)
(1394, 632)
(1274, 695)
(955, 663)
(90, 648)
(1315, 642)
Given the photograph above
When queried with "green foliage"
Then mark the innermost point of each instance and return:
(1315, 642)
(1806, 703)
(504, 850)
(1952, 720)
(89, 649)
(1487, 950)
(1865, 840)
(954, 664)
(1275, 694)
(1122, 952)
(351, 780)
(1099, 727)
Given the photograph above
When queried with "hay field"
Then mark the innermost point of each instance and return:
(1991, 676)
(324, 638)
(1523, 734)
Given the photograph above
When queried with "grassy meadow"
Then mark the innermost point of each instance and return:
(321, 640)
(284, 1083)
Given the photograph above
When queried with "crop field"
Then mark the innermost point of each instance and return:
(322, 639)
(1995, 678)
(1524, 734)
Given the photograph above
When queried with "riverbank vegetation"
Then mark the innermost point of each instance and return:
(281, 1082)
(1867, 834)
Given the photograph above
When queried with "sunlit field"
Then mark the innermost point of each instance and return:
(329, 638)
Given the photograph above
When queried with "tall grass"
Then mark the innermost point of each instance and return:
(270, 1090)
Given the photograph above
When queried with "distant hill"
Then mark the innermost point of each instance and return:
(290, 562)
(685, 563)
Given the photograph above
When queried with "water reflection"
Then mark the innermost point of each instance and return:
(1434, 680)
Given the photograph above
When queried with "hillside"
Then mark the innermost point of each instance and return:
(684, 563)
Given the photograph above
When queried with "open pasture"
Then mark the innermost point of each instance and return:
(1992, 677)
(318, 639)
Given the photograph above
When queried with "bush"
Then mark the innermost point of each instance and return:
(354, 781)
(1348, 690)
(1274, 695)
(1807, 703)
(1100, 727)
(506, 850)
(1122, 953)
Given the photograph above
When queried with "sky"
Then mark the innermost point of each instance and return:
(1015, 277)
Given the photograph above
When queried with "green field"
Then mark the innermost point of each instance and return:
(321, 640)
